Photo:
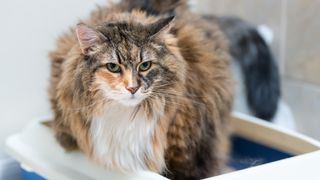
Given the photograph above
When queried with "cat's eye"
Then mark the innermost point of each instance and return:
(114, 68)
(145, 66)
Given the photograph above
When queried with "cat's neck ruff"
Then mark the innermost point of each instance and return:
(122, 138)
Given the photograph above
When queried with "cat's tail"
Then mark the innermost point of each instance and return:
(259, 70)
(156, 7)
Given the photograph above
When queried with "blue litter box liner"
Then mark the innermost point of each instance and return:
(27, 175)
(244, 154)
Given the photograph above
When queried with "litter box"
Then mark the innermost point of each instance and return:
(260, 151)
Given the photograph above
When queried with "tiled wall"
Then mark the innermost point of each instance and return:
(296, 46)
(262, 12)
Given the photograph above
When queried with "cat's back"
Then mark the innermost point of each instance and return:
(204, 48)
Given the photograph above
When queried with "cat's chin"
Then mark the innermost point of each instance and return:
(130, 102)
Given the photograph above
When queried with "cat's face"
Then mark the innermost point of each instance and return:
(131, 67)
(130, 74)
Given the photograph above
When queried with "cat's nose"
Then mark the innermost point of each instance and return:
(132, 90)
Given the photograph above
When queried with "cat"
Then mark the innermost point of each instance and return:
(141, 86)
(255, 71)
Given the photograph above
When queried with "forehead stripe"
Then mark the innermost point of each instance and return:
(141, 54)
(120, 56)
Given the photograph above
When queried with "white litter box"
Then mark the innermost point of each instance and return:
(260, 151)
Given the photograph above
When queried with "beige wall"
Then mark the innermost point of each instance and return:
(296, 46)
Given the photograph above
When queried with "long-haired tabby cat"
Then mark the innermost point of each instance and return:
(136, 89)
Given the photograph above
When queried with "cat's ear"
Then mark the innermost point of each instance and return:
(160, 26)
(88, 38)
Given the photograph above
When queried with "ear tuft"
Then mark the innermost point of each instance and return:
(160, 26)
(88, 38)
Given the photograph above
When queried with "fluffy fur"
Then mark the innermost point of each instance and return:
(255, 71)
(133, 134)
(258, 68)
(176, 123)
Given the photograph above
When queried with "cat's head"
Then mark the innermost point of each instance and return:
(132, 61)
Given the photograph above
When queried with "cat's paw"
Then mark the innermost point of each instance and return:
(66, 141)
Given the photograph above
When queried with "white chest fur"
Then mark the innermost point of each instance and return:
(122, 141)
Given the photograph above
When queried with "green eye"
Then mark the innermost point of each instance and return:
(145, 66)
(114, 68)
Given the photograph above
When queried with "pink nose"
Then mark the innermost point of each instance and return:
(132, 90)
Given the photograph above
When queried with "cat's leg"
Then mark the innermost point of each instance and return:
(196, 149)
(193, 164)
(66, 141)
(64, 138)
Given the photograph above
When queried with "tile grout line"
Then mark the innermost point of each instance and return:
(283, 38)
(301, 83)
